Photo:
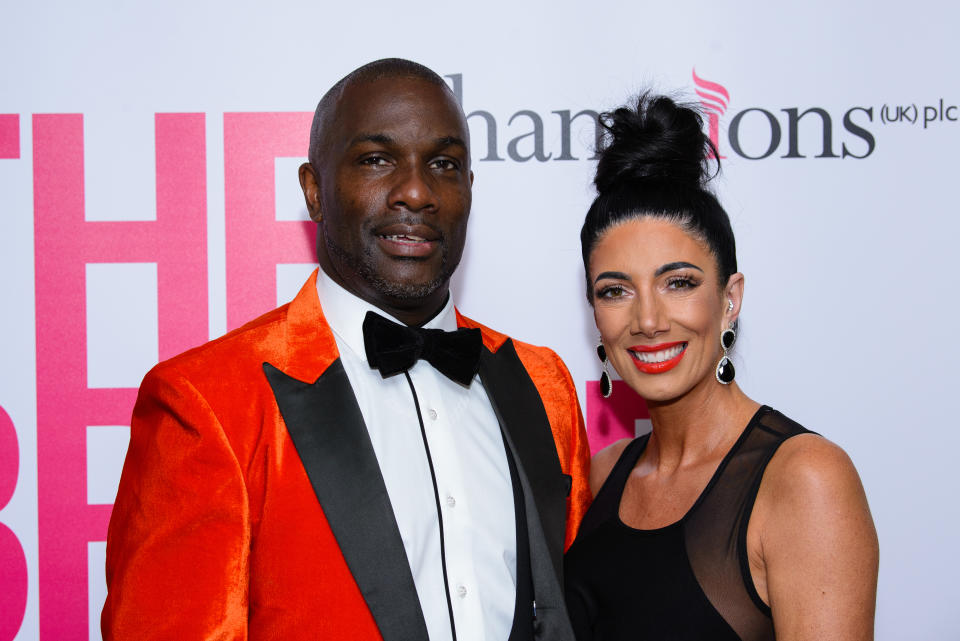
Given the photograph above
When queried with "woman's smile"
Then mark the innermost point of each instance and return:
(656, 359)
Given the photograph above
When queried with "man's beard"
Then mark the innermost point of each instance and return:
(364, 266)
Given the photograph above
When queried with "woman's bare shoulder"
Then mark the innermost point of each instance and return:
(817, 543)
(603, 462)
(809, 465)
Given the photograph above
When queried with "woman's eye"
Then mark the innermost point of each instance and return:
(612, 291)
(681, 282)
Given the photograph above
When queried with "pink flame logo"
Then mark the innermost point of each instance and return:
(714, 98)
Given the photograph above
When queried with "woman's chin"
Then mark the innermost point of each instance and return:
(663, 389)
(657, 391)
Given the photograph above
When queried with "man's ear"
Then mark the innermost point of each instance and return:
(311, 191)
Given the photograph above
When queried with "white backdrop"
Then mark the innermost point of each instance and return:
(848, 315)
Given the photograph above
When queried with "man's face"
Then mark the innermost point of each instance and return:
(392, 194)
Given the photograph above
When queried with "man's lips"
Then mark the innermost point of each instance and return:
(656, 359)
(408, 241)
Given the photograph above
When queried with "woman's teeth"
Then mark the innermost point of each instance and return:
(659, 357)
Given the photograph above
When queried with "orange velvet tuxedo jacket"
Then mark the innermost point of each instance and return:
(251, 505)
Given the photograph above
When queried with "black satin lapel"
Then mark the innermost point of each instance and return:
(327, 429)
(520, 410)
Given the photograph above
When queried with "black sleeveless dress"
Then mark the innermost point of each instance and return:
(686, 581)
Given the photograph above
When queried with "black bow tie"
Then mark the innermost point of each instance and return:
(394, 348)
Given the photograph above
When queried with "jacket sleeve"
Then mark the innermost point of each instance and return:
(559, 396)
(574, 452)
(179, 537)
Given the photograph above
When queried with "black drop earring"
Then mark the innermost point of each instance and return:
(725, 371)
(606, 385)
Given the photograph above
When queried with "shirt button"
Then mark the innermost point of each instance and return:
(432, 413)
(461, 591)
(451, 502)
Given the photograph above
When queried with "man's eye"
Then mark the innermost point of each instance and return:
(444, 164)
(374, 160)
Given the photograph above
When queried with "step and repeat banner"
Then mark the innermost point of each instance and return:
(150, 202)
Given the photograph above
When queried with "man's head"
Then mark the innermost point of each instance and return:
(388, 184)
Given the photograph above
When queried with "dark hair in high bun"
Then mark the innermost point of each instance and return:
(655, 161)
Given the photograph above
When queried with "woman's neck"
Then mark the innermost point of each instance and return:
(702, 424)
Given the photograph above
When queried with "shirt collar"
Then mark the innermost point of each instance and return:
(345, 312)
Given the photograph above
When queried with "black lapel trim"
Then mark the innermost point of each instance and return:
(526, 429)
(327, 429)
(523, 609)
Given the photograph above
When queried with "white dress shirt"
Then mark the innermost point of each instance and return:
(469, 460)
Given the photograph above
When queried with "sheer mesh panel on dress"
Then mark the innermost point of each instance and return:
(716, 529)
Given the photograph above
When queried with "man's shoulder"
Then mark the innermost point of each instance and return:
(251, 343)
(538, 360)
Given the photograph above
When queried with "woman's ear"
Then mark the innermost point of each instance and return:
(733, 298)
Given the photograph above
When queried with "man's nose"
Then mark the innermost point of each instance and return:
(412, 189)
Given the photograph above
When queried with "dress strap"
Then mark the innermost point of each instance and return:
(607, 502)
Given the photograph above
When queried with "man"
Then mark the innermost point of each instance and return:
(305, 476)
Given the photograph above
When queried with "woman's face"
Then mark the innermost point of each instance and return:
(660, 307)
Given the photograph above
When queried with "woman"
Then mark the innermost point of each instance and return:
(729, 520)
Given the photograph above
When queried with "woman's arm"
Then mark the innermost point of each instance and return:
(813, 546)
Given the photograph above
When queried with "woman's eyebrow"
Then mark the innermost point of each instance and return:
(616, 275)
(680, 264)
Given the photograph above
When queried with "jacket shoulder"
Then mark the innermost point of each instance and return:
(542, 363)
(252, 343)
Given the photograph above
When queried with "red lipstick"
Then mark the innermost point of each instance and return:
(658, 367)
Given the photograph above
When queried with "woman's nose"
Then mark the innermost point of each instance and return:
(648, 318)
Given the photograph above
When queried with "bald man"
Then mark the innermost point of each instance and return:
(363, 462)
